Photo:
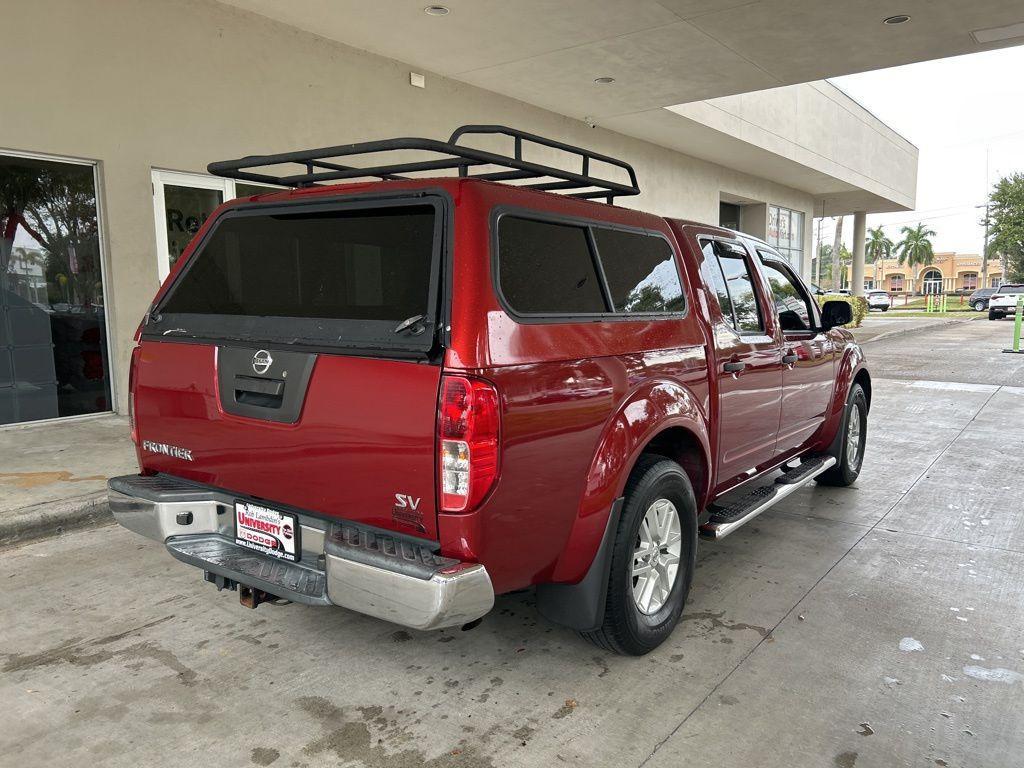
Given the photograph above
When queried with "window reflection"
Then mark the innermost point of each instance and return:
(53, 358)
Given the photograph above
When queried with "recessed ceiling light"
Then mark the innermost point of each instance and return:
(437, 10)
(900, 18)
(604, 80)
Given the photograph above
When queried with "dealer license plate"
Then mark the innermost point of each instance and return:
(267, 530)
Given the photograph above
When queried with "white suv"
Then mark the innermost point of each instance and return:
(879, 300)
(1004, 301)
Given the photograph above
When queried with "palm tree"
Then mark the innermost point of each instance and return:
(877, 247)
(916, 246)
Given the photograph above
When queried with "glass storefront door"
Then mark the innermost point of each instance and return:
(53, 335)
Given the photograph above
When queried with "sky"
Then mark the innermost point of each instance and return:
(956, 111)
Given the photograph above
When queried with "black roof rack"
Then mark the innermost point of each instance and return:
(320, 167)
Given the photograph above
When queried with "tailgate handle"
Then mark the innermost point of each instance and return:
(268, 393)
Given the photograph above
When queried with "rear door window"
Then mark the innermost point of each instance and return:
(640, 270)
(547, 268)
(731, 279)
(344, 276)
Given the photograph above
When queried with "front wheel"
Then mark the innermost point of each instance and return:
(853, 432)
(653, 559)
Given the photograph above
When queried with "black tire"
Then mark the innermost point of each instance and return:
(847, 467)
(979, 306)
(625, 628)
(885, 309)
(993, 315)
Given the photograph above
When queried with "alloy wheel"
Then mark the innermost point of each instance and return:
(656, 556)
(853, 435)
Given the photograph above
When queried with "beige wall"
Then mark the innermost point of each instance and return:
(847, 156)
(137, 85)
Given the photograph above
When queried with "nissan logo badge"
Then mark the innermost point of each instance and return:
(262, 361)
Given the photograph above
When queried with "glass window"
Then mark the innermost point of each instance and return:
(53, 345)
(640, 270)
(786, 233)
(791, 301)
(186, 210)
(716, 280)
(546, 268)
(368, 269)
(734, 286)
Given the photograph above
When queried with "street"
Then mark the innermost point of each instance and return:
(878, 625)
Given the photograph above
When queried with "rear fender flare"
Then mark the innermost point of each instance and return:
(648, 411)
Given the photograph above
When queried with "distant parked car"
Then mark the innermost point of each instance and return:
(979, 299)
(878, 300)
(1004, 301)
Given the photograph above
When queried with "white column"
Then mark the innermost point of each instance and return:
(860, 220)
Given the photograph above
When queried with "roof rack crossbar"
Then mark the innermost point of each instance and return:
(381, 171)
(320, 168)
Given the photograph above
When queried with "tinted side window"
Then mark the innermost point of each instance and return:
(790, 300)
(716, 280)
(738, 285)
(640, 270)
(547, 268)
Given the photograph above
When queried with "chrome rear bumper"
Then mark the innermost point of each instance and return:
(387, 576)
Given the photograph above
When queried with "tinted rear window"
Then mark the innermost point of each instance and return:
(640, 270)
(345, 275)
(1012, 289)
(547, 268)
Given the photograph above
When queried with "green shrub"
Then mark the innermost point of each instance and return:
(858, 303)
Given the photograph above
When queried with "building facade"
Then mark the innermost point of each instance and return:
(123, 103)
(948, 273)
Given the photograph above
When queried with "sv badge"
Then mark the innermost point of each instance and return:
(404, 501)
(406, 511)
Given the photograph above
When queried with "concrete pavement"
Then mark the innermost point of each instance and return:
(54, 475)
(874, 626)
(878, 326)
(960, 351)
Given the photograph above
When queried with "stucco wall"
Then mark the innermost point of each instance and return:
(140, 84)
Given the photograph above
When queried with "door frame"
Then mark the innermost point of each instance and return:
(113, 365)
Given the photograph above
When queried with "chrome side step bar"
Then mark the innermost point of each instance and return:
(724, 520)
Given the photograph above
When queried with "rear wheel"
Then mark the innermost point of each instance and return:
(853, 432)
(993, 315)
(653, 559)
(979, 306)
(885, 309)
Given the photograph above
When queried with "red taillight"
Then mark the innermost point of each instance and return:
(468, 442)
(131, 394)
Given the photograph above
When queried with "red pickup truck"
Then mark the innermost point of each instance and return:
(408, 395)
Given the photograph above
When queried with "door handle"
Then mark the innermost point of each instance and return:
(789, 358)
(734, 367)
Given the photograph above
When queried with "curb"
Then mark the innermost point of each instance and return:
(917, 329)
(52, 518)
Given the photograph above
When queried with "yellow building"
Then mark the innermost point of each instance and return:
(948, 273)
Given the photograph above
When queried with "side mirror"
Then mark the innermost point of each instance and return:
(835, 313)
